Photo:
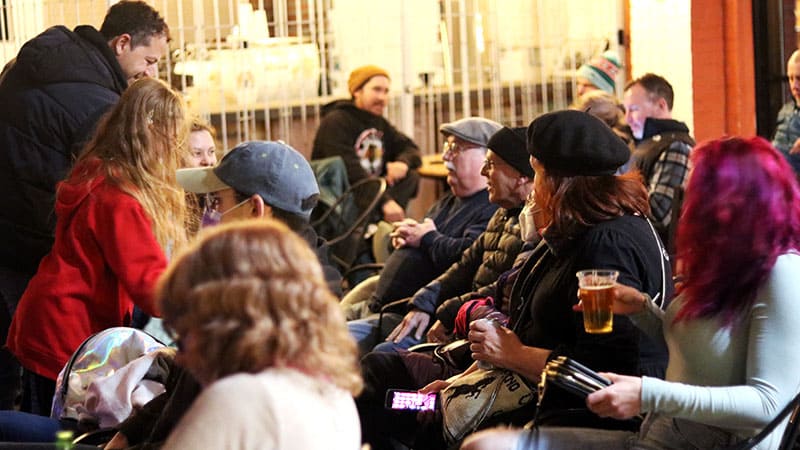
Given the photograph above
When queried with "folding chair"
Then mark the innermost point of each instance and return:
(343, 223)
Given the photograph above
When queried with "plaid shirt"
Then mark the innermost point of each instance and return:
(669, 172)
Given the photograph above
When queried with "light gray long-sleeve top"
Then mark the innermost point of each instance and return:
(734, 378)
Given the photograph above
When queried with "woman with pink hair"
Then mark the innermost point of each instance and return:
(729, 331)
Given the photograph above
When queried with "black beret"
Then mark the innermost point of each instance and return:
(572, 143)
(509, 144)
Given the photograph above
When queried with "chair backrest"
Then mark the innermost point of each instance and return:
(343, 223)
(331, 175)
(790, 434)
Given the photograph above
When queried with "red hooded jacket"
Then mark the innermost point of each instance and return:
(105, 259)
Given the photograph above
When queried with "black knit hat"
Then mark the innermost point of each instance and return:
(574, 143)
(509, 144)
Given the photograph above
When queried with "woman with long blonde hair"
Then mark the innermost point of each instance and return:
(119, 212)
(258, 327)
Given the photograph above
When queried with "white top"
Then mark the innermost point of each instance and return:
(740, 378)
(275, 409)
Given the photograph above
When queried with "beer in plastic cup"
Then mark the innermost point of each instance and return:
(596, 291)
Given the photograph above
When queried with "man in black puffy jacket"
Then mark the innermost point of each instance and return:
(53, 93)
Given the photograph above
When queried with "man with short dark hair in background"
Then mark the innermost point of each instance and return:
(662, 144)
(53, 93)
(356, 130)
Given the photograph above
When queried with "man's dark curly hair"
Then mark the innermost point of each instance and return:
(136, 18)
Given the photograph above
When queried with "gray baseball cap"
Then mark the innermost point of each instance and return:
(475, 130)
(273, 170)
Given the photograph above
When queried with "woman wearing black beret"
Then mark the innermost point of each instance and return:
(589, 219)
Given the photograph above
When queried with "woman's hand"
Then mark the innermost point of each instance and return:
(621, 400)
(119, 441)
(435, 416)
(627, 300)
(493, 343)
(438, 334)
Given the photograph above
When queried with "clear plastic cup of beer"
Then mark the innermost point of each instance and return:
(596, 291)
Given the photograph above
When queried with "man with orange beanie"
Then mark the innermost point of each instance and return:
(356, 130)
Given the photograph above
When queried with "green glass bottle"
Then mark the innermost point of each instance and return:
(64, 440)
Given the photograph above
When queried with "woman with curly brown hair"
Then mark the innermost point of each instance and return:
(262, 333)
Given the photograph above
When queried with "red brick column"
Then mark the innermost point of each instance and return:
(722, 68)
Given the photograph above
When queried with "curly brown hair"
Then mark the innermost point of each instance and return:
(251, 295)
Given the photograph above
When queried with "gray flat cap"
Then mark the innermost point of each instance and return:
(475, 130)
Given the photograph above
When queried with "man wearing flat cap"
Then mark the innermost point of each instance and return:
(356, 130)
(424, 250)
(509, 181)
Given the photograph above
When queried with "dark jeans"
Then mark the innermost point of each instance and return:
(12, 285)
(37, 393)
(16, 426)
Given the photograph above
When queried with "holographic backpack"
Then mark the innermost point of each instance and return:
(108, 376)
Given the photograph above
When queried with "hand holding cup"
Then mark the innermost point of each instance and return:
(596, 291)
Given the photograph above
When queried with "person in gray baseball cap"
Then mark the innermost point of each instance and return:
(262, 179)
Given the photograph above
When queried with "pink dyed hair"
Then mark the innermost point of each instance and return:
(742, 210)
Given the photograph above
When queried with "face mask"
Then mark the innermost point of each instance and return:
(527, 224)
(212, 217)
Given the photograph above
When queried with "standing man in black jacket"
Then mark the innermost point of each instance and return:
(53, 93)
(356, 130)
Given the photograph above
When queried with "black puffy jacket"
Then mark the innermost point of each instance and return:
(480, 265)
(52, 96)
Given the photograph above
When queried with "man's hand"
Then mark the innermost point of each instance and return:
(392, 211)
(621, 400)
(795, 147)
(409, 233)
(438, 333)
(415, 320)
(395, 171)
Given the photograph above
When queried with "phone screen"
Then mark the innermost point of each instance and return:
(410, 400)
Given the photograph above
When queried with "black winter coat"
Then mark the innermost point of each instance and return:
(480, 265)
(52, 96)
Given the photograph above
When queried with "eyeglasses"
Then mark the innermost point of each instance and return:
(453, 148)
(488, 164)
(211, 201)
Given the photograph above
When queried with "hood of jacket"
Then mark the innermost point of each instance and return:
(59, 55)
(72, 192)
(349, 106)
(653, 126)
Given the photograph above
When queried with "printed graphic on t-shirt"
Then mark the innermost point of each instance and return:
(369, 148)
